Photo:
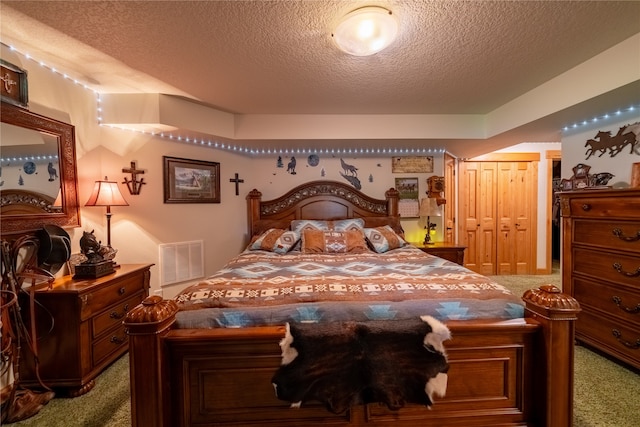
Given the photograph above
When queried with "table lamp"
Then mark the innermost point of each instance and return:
(106, 193)
(429, 208)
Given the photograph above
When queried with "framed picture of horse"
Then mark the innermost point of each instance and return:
(191, 181)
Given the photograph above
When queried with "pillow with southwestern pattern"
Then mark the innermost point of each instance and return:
(383, 239)
(333, 242)
(380, 221)
(275, 240)
(300, 225)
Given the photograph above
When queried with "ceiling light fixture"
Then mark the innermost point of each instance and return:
(366, 31)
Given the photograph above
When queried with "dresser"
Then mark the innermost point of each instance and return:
(601, 268)
(448, 251)
(79, 326)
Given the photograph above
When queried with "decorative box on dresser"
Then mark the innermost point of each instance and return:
(601, 268)
(79, 327)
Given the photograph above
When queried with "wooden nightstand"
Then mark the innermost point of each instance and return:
(79, 327)
(447, 251)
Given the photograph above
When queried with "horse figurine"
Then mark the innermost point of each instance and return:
(90, 247)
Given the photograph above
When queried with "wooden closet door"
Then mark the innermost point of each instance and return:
(478, 215)
(516, 204)
(498, 211)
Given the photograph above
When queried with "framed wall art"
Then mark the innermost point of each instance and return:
(191, 181)
(412, 164)
(14, 84)
(408, 205)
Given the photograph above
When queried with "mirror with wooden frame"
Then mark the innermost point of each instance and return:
(38, 177)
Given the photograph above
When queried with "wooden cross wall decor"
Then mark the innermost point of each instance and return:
(237, 181)
(134, 185)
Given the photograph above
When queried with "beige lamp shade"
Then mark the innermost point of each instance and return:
(429, 207)
(106, 193)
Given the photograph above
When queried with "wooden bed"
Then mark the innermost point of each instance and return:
(502, 373)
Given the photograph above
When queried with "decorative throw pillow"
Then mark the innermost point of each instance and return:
(333, 242)
(300, 225)
(380, 221)
(383, 239)
(275, 240)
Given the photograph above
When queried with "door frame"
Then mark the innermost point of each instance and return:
(550, 156)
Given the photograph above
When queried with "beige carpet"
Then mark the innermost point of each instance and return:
(606, 394)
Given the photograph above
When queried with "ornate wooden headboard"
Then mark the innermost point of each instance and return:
(324, 200)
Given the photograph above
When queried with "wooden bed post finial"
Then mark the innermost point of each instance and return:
(254, 197)
(393, 196)
(557, 313)
(146, 325)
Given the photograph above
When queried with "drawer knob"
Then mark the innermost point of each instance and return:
(620, 235)
(116, 315)
(586, 207)
(618, 301)
(616, 333)
(117, 340)
(618, 267)
(122, 290)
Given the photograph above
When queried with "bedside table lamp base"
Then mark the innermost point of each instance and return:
(427, 237)
(429, 208)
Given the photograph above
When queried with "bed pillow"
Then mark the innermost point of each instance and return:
(333, 242)
(379, 221)
(300, 225)
(275, 240)
(383, 239)
(262, 225)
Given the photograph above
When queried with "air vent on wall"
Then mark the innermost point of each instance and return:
(181, 261)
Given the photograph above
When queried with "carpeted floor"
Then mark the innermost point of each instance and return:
(606, 394)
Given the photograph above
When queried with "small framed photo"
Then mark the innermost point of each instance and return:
(14, 84)
(566, 184)
(191, 181)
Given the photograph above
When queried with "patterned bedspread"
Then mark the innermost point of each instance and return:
(259, 288)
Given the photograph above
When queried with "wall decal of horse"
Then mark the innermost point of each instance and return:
(603, 141)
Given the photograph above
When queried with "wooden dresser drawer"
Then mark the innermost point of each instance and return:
(601, 267)
(605, 207)
(614, 267)
(613, 337)
(88, 334)
(623, 235)
(113, 341)
(616, 301)
(114, 314)
(115, 293)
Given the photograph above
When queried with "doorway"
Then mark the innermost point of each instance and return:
(556, 173)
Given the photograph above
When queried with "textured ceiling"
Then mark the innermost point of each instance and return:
(277, 57)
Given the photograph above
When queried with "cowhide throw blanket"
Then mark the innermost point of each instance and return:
(341, 364)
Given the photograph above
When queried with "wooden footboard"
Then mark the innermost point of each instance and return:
(504, 373)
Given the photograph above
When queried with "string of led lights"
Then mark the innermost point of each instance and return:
(238, 148)
(598, 119)
(34, 158)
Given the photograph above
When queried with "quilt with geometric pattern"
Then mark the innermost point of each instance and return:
(258, 288)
